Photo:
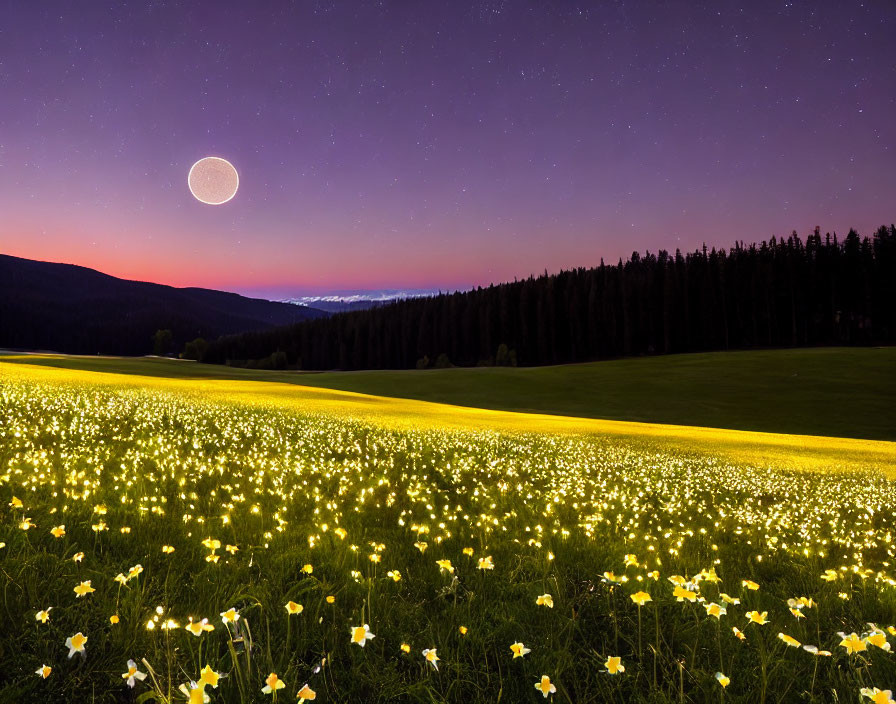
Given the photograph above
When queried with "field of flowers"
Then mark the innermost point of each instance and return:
(166, 541)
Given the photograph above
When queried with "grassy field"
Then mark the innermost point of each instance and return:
(846, 392)
(442, 529)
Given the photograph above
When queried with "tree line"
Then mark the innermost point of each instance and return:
(784, 292)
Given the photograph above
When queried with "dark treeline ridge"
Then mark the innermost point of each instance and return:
(780, 293)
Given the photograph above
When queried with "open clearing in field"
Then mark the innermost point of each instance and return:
(835, 392)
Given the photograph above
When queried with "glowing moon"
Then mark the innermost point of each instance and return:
(213, 180)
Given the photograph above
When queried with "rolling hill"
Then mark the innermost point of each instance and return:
(77, 310)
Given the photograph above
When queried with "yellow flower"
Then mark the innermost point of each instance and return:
(750, 584)
(878, 696)
(78, 556)
(167, 549)
(729, 599)
(306, 694)
(792, 642)
(197, 627)
(485, 563)
(207, 676)
(878, 639)
(724, 680)
(16, 502)
(43, 616)
(756, 617)
(361, 634)
(853, 643)
(331, 599)
(272, 684)
(121, 579)
(421, 546)
(431, 657)
(518, 650)
(44, 671)
(232, 549)
(395, 575)
(468, 552)
(611, 577)
(341, 533)
(113, 619)
(829, 575)
(307, 569)
(545, 686)
(212, 544)
(58, 531)
(76, 643)
(641, 598)
(230, 616)
(713, 609)
(739, 633)
(83, 589)
(26, 524)
(681, 594)
(212, 558)
(405, 648)
(445, 565)
(614, 665)
(463, 630)
(631, 560)
(375, 557)
(293, 608)
(545, 600)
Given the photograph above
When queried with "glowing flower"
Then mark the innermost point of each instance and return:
(878, 639)
(641, 598)
(43, 616)
(133, 674)
(729, 599)
(431, 657)
(113, 619)
(750, 584)
(195, 693)
(463, 630)
(16, 502)
(197, 627)
(683, 594)
(78, 556)
(614, 665)
(212, 544)
(545, 686)
(739, 633)
(167, 549)
(230, 616)
(631, 560)
(394, 575)
(272, 684)
(724, 680)
(75, 644)
(792, 642)
(83, 589)
(756, 617)
(306, 694)
(26, 524)
(307, 569)
(207, 676)
(44, 671)
(232, 549)
(58, 531)
(405, 648)
(485, 563)
(468, 552)
(545, 600)
(852, 643)
(341, 533)
(518, 650)
(331, 599)
(445, 565)
(878, 696)
(713, 609)
(830, 575)
(613, 579)
(293, 608)
(361, 634)
(134, 572)
(421, 546)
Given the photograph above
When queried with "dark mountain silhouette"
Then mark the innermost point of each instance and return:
(785, 292)
(73, 309)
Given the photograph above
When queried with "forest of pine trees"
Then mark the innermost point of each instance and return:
(780, 293)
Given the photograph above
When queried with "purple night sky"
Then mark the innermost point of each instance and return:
(435, 145)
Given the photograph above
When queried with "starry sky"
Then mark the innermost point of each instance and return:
(435, 144)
